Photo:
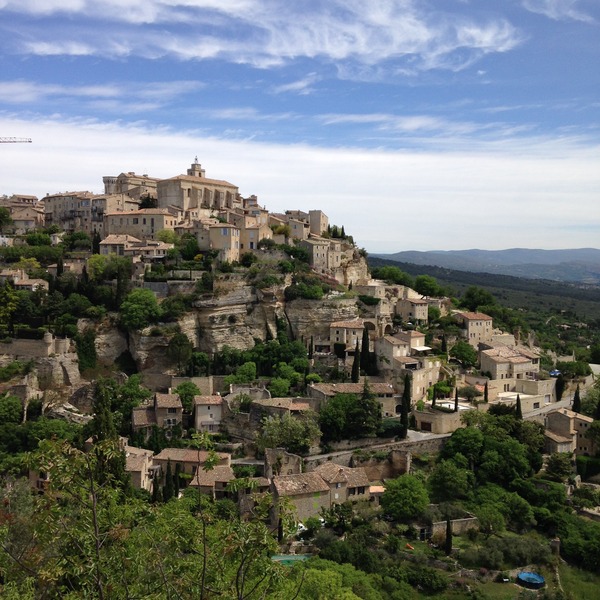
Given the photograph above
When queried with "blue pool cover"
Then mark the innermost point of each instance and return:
(533, 581)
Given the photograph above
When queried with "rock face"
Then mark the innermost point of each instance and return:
(312, 317)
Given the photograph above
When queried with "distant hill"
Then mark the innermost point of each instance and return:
(516, 292)
(580, 265)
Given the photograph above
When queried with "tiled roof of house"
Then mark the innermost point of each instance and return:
(474, 316)
(167, 401)
(119, 239)
(202, 180)
(406, 360)
(207, 400)
(394, 341)
(334, 473)
(221, 474)
(135, 463)
(139, 212)
(559, 439)
(354, 324)
(302, 483)
(188, 455)
(143, 416)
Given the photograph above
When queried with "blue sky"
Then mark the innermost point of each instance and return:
(416, 124)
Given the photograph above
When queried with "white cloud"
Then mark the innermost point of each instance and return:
(134, 96)
(558, 10)
(533, 193)
(389, 37)
(302, 86)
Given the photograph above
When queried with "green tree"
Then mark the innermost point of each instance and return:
(518, 409)
(559, 466)
(448, 543)
(169, 487)
(294, 434)
(464, 353)
(428, 286)
(405, 406)
(186, 392)
(5, 219)
(475, 297)
(11, 409)
(405, 498)
(355, 374)
(8, 305)
(139, 309)
(576, 401)
(448, 482)
(491, 521)
(180, 351)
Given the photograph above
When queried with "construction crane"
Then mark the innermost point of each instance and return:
(14, 140)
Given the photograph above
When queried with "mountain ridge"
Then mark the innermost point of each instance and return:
(578, 265)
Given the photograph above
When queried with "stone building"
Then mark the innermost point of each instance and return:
(475, 327)
(195, 190)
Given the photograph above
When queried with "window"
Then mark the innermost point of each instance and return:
(135, 221)
(172, 411)
(536, 405)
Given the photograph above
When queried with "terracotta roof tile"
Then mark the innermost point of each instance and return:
(302, 483)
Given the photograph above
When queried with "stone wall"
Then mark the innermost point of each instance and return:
(346, 457)
(459, 526)
(25, 349)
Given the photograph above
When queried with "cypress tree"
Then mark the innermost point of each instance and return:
(355, 373)
(311, 347)
(343, 233)
(444, 345)
(156, 493)
(168, 489)
(455, 399)
(518, 409)
(560, 387)
(448, 544)
(365, 352)
(576, 401)
(486, 393)
(176, 480)
(405, 406)
(597, 413)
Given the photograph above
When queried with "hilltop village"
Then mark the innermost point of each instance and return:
(235, 351)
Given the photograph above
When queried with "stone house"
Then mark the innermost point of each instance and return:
(413, 310)
(225, 238)
(348, 333)
(27, 218)
(573, 426)
(139, 465)
(189, 460)
(143, 223)
(509, 362)
(213, 482)
(384, 392)
(208, 413)
(130, 184)
(345, 483)
(165, 412)
(117, 244)
(438, 421)
(475, 327)
(307, 492)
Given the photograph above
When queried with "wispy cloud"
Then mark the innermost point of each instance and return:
(559, 9)
(153, 94)
(382, 39)
(303, 86)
